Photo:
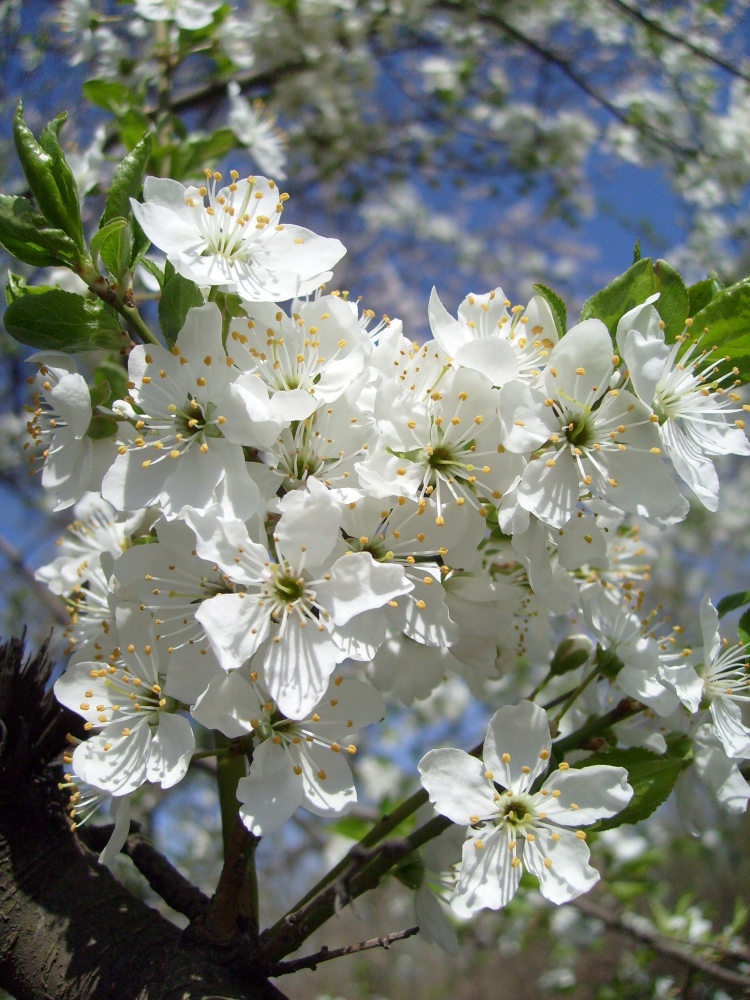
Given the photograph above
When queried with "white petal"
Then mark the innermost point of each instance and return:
(488, 878)
(491, 356)
(522, 732)
(298, 666)
(734, 735)
(550, 491)
(569, 875)
(228, 704)
(121, 809)
(357, 583)
(433, 924)
(271, 792)
(596, 792)
(172, 746)
(457, 786)
(235, 625)
(327, 782)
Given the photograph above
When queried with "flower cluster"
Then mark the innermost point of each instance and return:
(298, 512)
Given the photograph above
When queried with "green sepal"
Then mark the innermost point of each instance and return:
(557, 306)
(63, 321)
(621, 295)
(673, 304)
(178, 296)
(101, 427)
(701, 293)
(99, 393)
(28, 236)
(609, 662)
(49, 177)
(569, 655)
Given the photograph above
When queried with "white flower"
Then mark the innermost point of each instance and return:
(602, 441)
(187, 14)
(440, 857)
(59, 419)
(139, 735)
(304, 763)
(193, 424)
(486, 337)
(513, 825)
(87, 166)
(305, 607)
(86, 800)
(689, 404)
(714, 771)
(237, 240)
(256, 132)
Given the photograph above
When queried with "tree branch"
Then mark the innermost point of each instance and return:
(166, 881)
(684, 953)
(327, 954)
(16, 560)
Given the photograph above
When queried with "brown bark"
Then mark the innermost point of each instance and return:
(68, 929)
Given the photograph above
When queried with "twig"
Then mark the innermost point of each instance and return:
(666, 946)
(166, 881)
(221, 921)
(326, 954)
(680, 39)
(16, 560)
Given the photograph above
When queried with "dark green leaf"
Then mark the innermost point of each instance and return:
(652, 778)
(99, 393)
(101, 427)
(127, 182)
(733, 601)
(557, 306)
(673, 303)
(702, 292)
(113, 97)
(572, 652)
(62, 321)
(116, 252)
(49, 140)
(153, 268)
(624, 293)
(29, 237)
(637, 251)
(178, 295)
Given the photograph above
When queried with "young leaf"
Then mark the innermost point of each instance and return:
(29, 237)
(637, 251)
(702, 292)
(178, 295)
(673, 303)
(99, 393)
(110, 95)
(557, 306)
(62, 321)
(103, 234)
(17, 287)
(727, 319)
(652, 777)
(116, 252)
(66, 182)
(152, 268)
(101, 426)
(625, 292)
(733, 601)
(115, 376)
(127, 183)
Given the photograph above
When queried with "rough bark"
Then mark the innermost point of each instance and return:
(68, 929)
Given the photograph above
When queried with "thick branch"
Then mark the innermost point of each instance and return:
(326, 954)
(684, 953)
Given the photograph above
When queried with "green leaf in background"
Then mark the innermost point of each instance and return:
(29, 237)
(652, 777)
(178, 295)
(673, 303)
(109, 95)
(99, 393)
(733, 601)
(49, 176)
(727, 319)
(115, 376)
(101, 427)
(572, 653)
(63, 321)
(624, 293)
(132, 125)
(557, 306)
(187, 159)
(16, 287)
(702, 292)
(743, 628)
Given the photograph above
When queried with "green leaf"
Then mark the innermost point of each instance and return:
(116, 252)
(557, 306)
(637, 251)
(733, 601)
(132, 125)
(624, 293)
(109, 95)
(103, 233)
(153, 268)
(115, 375)
(101, 427)
(727, 319)
(127, 182)
(673, 303)
(743, 628)
(16, 287)
(99, 393)
(652, 778)
(29, 237)
(178, 295)
(63, 321)
(187, 159)
(572, 652)
(49, 177)
(702, 292)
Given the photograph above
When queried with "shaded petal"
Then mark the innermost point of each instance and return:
(569, 875)
(488, 877)
(298, 666)
(172, 746)
(235, 624)
(228, 704)
(457, 786)
(271, 792)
